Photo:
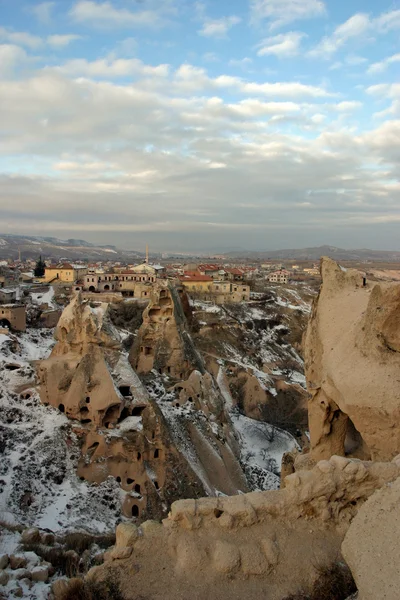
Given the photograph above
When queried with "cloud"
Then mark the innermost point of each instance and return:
(348, 106)
(218, 27)
(242, 63)
(380, 67)
(283, 45)
(43, 12)
(283, 12)
(360, 26)
(10, 58)
(354, 27)
(60, 41)
(110, 68)
(105, 14)
(20, 38)
(179, 156)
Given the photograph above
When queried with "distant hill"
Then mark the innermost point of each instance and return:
(55, 249)
(315, 254)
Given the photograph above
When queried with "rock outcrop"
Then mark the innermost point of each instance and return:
(163, 342)
(156, 454)
(352, 361)
(371, 546)
(261, 544)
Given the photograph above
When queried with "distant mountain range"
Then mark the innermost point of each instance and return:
(56, 249)
(315, 254)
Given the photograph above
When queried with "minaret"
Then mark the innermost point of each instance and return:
(147, 254)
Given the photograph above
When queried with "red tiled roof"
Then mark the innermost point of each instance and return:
(194, 276)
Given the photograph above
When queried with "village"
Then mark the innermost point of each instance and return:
(111, 281)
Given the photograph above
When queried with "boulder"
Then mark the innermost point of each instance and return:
(126, 535)
(31, 536)
(17, 562)
(4, 577)
(3, 561)
(371, 546)
(40, 574)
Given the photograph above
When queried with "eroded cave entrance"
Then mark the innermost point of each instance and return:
(354, 444)
(111, 415)
(125, 391)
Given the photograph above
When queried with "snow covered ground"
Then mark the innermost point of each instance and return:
(38, 481)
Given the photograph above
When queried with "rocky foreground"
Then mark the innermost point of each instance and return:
(176, 409)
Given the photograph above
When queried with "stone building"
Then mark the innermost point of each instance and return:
(280, 276)
(64, 272)
(13, 317)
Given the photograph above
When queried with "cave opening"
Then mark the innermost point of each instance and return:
(125, 391)
(137, 411)
(137, 488)
(61, 408)
(135, 510)
(354, 444)
(111, 415)
(124, 414)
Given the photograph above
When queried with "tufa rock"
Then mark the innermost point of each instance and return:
(371, 546)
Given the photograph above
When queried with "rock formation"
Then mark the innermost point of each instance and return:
(163, 342)
(157, 456)
(371, 546)
(352, 359)
(259, 545)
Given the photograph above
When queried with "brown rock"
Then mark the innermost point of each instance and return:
(30, 536)
(371, 546)
(4, 577)
(17, 562)
(226, 557)
(352, 360)
(40, 574)
(3, 561)
(126, 535)
(119, 553)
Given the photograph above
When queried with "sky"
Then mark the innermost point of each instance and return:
(204, 126)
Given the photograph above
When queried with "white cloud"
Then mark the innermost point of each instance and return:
(348, 106)
(354, 27)
(105, 67)
(218, 27)
(360, 26)
(283, 12)
(242, 63)
(20, 38)
(43, 12)
(388, 21)
(283, 45)
(105, 14)
(60, 41)
(380, 67)
(10, 57)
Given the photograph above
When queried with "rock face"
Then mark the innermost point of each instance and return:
(163, 342)
(76, 378)
(251, 539)
(123, 431)
(371, 546)
(352, 360)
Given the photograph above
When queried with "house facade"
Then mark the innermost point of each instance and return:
(280, 276)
